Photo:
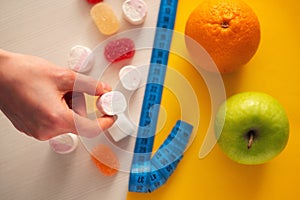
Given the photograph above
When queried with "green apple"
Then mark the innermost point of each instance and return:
(251, 127)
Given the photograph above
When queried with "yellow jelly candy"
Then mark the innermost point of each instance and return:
(105, 18)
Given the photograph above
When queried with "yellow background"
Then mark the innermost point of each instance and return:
(275, 70)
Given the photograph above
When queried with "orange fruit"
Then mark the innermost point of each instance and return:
(228, 30)
(105, 160)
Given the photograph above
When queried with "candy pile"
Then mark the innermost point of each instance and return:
(81, 60)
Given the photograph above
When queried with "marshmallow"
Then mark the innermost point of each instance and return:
(130, 77)
(121, 128)
(112, 103)
(135, 11)
(80, 59)
(64, 144)
(105, 19)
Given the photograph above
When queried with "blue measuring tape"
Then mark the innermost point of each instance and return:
(148, 174)
(169, 154)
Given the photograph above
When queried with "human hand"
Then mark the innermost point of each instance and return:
(44, 100)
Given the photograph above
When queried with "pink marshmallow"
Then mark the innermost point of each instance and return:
(112, 103)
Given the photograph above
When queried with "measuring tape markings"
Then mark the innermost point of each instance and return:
(155, 82)
(148, 174)
(159, 177)
(153, 92)
(141, 166)
(177, 139)
(165, 161)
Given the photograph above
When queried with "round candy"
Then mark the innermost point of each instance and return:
(64, 144)
(135, 11)
(79, 59)
(105, 18)
(119, 49)
(130, 77)
(112, 103)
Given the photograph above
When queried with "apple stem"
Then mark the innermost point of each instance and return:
(251, 139)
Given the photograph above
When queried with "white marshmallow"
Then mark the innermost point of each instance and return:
(112, 103)
(80, 59)
(64, 144)
(135, 11)
(130, 77)
(121, 128)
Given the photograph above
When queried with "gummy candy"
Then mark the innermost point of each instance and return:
(105, 160)
(94, 1)
(119, 49)
(105, 18)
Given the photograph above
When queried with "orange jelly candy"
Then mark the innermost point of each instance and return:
(105, 18)
(105, 160)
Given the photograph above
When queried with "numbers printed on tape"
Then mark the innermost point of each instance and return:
(147, 174)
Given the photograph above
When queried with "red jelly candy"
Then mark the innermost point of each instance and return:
(119, 49)
(94, 1)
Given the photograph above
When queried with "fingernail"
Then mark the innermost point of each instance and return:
(106, 87)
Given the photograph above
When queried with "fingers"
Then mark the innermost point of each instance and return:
(105, 122)
(76, 102)
(92, 128)
(72, 81)
(76, 116)
(90, 86)
(84, 126)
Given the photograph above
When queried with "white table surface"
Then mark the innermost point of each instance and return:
(29, 169)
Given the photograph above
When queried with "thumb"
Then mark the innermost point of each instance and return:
(91, 128)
